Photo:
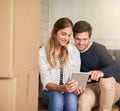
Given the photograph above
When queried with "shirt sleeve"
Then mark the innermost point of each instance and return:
(110, 67)
(44, 68)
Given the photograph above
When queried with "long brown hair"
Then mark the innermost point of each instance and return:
(50, 47)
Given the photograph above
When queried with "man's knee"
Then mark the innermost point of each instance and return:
(84, 103)
(86, 100)
(83, 99)
(107, 83)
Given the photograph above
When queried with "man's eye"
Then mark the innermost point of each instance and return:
(85, 39)
(77, 39)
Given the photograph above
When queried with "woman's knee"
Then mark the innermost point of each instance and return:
(70, 97)
(71, 102)
(57, 97)
(55, 101)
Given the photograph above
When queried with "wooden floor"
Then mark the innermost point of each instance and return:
(42, 107)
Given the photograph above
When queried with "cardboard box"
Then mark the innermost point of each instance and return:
(19, 36)
(21, 93)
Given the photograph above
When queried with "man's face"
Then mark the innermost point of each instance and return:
(82, 40)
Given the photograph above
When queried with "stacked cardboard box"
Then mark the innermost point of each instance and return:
(19, 45)
(19, 93)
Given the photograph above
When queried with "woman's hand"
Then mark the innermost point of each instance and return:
(79, 90)
(71, 86)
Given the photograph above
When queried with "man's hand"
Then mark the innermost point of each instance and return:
(95, 75)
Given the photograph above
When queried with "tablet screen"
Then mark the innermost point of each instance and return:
(81, 78)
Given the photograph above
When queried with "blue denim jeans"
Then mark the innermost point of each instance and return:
(57, 101)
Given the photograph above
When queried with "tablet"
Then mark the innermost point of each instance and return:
(81, 78)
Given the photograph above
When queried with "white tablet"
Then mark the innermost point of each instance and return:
(81, 78)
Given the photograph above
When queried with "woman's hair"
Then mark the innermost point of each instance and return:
(51, 44)
(82, 26)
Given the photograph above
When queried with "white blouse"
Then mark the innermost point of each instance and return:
(53, 75)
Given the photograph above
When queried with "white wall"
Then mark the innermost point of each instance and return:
(44, 21)
(103, 15)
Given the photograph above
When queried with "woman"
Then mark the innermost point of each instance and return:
(56, 63)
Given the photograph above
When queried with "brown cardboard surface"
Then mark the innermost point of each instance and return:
(20, 93)
(6, 36)
(19, 36)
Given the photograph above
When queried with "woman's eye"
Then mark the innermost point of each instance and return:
(69, 35)
(63, 34)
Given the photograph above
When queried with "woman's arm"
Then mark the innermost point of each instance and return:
(70, 86)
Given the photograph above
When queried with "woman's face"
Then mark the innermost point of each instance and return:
(63, 36)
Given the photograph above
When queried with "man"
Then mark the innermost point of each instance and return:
(103, 86)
